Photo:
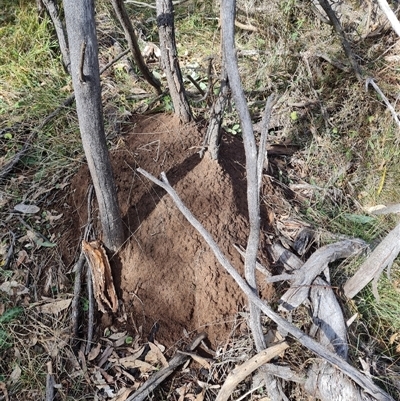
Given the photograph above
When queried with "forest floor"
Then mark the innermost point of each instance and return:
(333, 153)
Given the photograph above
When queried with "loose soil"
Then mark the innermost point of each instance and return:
(165, 272)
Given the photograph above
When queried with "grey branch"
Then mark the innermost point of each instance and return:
(363, 381)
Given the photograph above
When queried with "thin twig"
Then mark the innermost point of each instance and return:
(194, 82)
(179, 359)
(345, 43)
(271, 101)
(370, 81)
(133, 44)
(82, 78)
(49, 382)
(75, 313)
(363, 381)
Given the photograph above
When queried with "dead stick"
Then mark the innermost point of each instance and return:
(155, 380)
(49, 382)
(228, 9)
(370, 81)
(365, 382)
(345, 43)
(271, 101)
(247, 368)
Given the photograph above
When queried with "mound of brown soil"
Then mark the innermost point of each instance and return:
(166, 273)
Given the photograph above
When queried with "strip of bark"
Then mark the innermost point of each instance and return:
(363, 381)
(131, 38)
(212, 138)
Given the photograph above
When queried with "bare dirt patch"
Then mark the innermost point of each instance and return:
(166, 273)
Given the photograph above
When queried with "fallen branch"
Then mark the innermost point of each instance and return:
(247, 368)
(383, 255)
(364, 382)
(314, 266)
(154, 381)
(391, 16)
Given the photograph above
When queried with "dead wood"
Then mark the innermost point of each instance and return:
(169, 58)
(281, 255)
(314, 266)
(232, 69)
(247, 368)
(370, 81)
(131, 38)
(345, 43)
(54, 13)
(383, 255)
(49, 382)
(212, 138)
(390, 15)
(328, 319)
(355, 375)
(154, 381)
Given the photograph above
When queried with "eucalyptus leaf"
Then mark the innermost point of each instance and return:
(26, 209)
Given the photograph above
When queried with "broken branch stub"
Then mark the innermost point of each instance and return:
(314, 266)
(383, 255)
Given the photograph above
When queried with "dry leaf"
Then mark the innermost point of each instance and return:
(26, 209)
(15, 374)
(56, 306)
(22, 258)
(103, 284)
(94, 352)
(123, 394)
(129, 363)
(155, 356)
(117, 336)
(199, 359)
(13, 288)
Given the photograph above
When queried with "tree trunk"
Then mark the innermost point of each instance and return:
(169, 58)
(130, 36)
(82, 40)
